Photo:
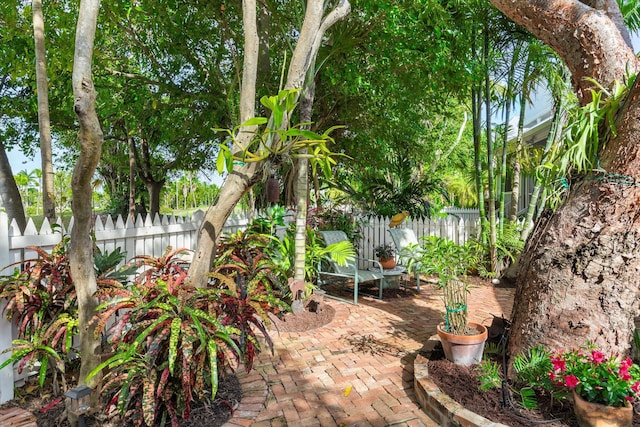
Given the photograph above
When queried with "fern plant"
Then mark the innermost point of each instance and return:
(489, 374)
(532, 369)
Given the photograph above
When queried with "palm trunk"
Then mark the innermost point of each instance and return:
(515, 191)
(302, 183)
(505, 140)
(556, 124)
(492, 200)
(476, 103)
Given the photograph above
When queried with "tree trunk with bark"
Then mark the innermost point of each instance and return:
(578, 279)
(11, 198)
(90, 139)
(44, 123)
(238, 182)
(153, 187)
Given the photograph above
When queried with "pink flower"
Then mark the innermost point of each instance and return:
(626, 363)
(597, 357)
(623, 373)
(571, 381)
(559, 364)
(636, 387)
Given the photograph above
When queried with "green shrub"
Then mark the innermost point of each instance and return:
(175, 341)
(41, 301)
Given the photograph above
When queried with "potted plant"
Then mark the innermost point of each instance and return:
(462, 341)
(386, 254)
(604, 388)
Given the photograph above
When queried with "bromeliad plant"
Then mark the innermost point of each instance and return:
(596, 377)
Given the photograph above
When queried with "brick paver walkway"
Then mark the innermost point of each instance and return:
(356, 371)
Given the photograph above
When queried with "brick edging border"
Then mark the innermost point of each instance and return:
(439, 406)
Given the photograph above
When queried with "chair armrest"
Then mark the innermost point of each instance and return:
(375, 263)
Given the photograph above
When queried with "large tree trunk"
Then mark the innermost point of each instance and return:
(578, 278)
(90, 140)
(44, 124)
(591, 43)
(241, 180)
(154, 187)
(11, 198)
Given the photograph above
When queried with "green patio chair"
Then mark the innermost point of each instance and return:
(407, 244)
(329, 271)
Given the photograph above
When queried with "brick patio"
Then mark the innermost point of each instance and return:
(357, 370)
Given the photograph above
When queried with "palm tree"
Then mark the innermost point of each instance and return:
(25, 180)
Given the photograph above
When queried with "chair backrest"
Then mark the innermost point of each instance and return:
(402, 237)
(335, 236)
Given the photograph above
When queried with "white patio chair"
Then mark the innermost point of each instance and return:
(329, 269)
(406, 243)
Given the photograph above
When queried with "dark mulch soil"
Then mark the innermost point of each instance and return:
(50, 410)
(461, 384)
(315, 315)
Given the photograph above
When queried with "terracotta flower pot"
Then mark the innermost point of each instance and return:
(463, 349)
(591, 414)
(388, 263)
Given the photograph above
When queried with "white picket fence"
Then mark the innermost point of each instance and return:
(152, 237)
(458, 225)
(139, 237)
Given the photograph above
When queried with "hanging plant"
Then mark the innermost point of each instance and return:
(273, 190)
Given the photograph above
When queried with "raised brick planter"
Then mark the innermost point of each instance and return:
(439, 406)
